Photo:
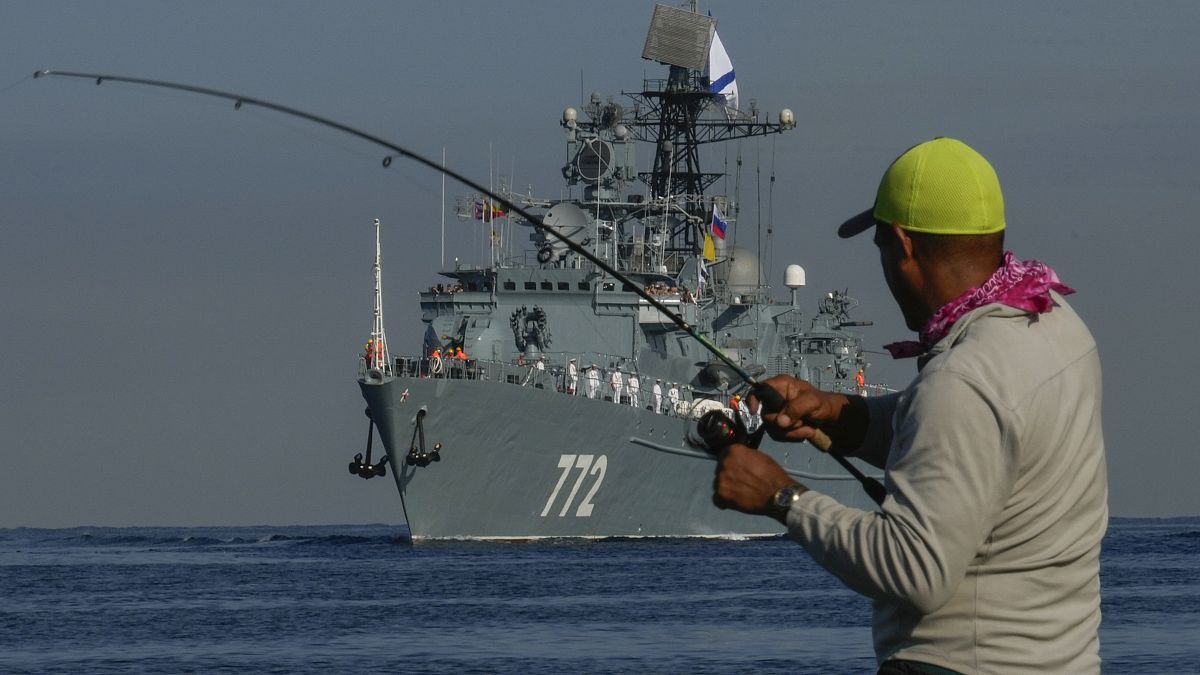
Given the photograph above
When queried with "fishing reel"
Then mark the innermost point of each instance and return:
(716, 431)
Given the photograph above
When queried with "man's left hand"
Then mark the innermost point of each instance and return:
(747, 479)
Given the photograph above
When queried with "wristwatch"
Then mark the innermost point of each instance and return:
(782, 502)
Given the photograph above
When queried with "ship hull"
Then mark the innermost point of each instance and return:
(519, 462)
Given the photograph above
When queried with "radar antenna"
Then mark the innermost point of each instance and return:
(670, 114)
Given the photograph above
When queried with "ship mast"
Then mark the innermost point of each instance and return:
(378, 351)
(670, 115)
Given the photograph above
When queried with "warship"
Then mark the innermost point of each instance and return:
(549, 398)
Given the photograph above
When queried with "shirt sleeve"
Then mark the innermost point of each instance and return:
(875, 445)
(949, 474)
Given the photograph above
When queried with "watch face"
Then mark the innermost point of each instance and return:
(783, 498)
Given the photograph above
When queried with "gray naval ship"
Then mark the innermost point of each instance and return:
(550, 399)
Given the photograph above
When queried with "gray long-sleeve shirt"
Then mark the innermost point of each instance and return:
(985, 555)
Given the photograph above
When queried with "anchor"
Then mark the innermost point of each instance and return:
(365, 469)
(417, 456)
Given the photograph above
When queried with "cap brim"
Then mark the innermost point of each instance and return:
(858, 224)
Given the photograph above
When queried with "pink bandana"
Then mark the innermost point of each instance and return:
(1025, 285)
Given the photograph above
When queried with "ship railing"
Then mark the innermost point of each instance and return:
(553, 378)
(850, 387)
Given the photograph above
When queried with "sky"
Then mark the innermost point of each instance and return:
(185, 287)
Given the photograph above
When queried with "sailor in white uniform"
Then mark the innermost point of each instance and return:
(657, 396)
(593, 380)
(614, 381)
(634, 387)
(673, 398)
(572, 377)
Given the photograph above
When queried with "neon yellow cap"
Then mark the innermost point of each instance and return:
(938, 187)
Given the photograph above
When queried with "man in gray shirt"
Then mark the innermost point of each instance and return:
(984, 556)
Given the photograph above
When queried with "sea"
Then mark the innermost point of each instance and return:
(364, 599)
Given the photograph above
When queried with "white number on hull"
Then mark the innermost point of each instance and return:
(598, 466)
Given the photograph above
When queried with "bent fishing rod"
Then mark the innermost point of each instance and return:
(770, 398)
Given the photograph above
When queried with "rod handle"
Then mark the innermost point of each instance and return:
(822, 440)
(772, 401)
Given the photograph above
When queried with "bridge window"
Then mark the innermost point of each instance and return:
(510, 285)
(564, 285)
(585, 286)
(547, 286)
(530, 286)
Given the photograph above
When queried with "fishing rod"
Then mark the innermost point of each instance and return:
(770, 398)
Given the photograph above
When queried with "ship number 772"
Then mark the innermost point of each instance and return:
(587, 465)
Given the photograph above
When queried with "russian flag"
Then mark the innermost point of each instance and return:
(718, 225)
(486, 210)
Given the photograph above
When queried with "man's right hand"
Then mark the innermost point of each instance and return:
(807, 408)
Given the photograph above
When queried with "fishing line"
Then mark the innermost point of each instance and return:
(306, 132)
(20, 81)
(770, 398)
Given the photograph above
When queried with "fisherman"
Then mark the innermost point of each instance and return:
(615, 383)
(572, 377)
(673, 398)
(593, 381)
(984, 556)
(634, 388)
(657, 391)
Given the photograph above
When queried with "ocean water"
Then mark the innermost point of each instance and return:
(362, 599)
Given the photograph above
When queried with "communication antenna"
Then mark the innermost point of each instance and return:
(379, 357)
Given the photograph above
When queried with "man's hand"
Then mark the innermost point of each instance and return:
(806, 408)
(747, 479)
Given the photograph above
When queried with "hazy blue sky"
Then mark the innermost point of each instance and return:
(185, 288)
